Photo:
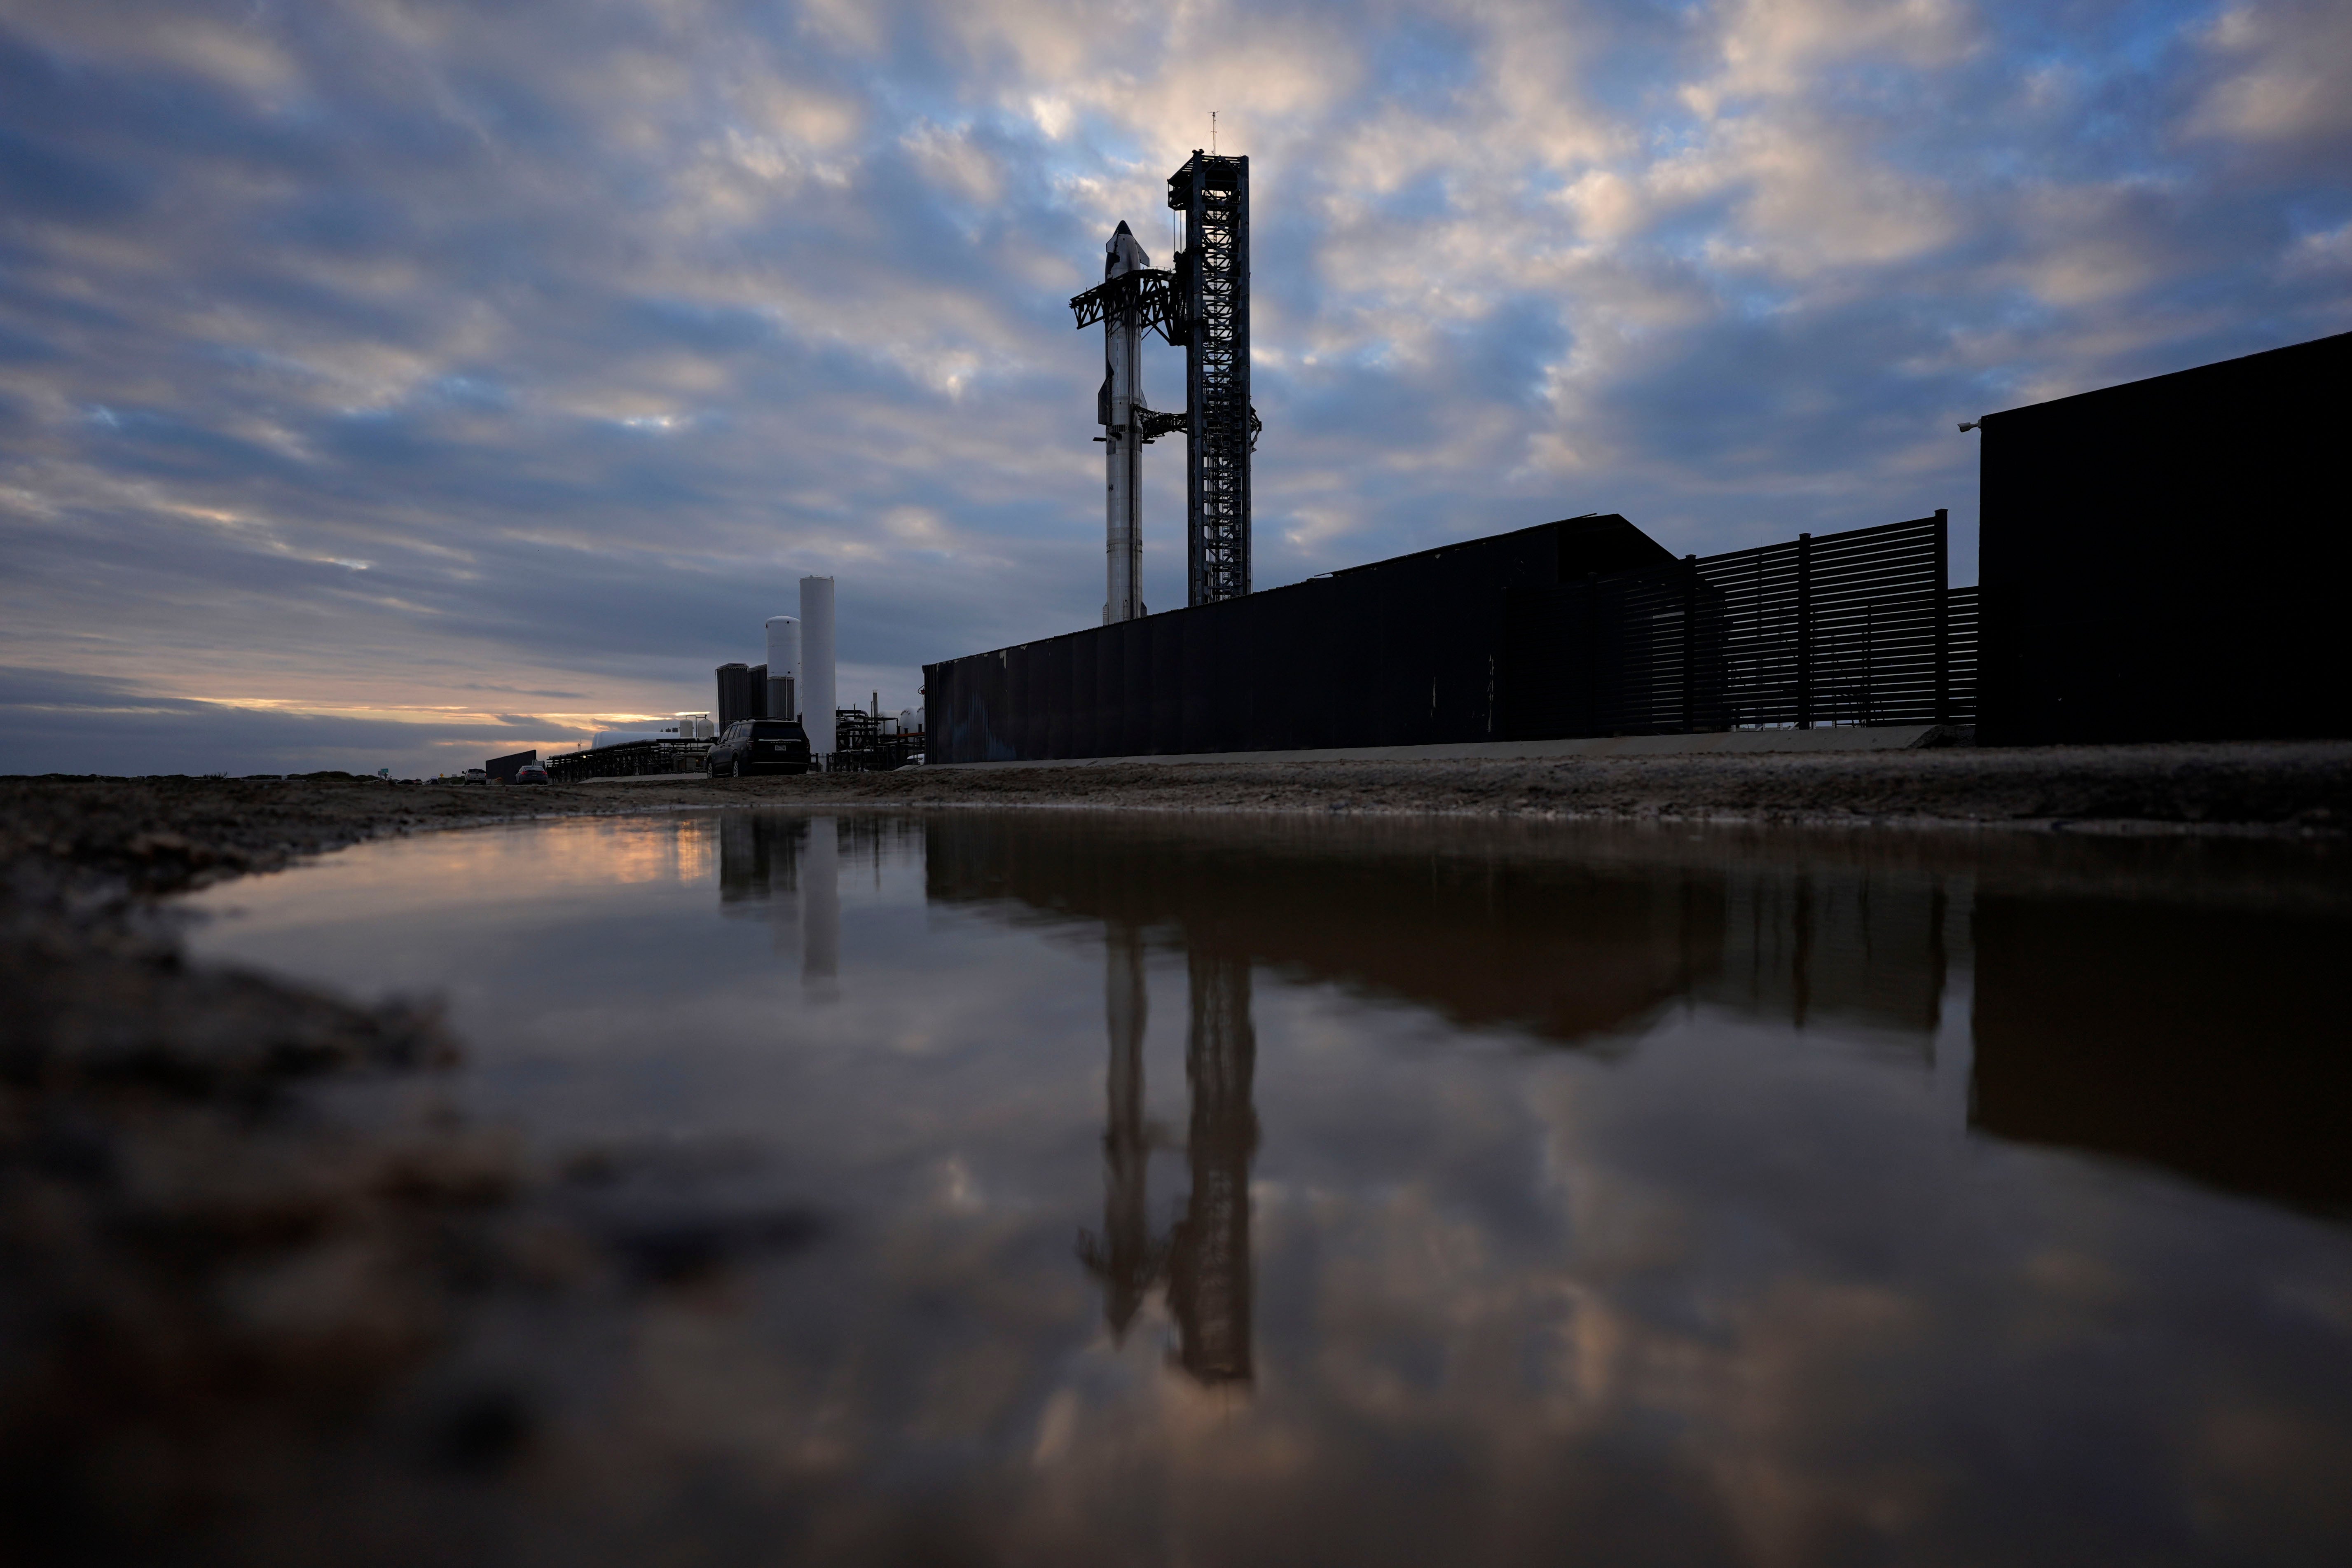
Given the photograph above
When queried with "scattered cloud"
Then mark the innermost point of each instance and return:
(371, 358)
(2285, 73)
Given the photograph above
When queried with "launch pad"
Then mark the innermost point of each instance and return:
(1202, 307)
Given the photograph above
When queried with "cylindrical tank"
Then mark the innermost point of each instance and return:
(734, 693)
(890, 724)
(783, 667)
(909, 720)
(816, 662)
(757, 681)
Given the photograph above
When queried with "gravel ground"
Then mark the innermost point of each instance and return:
(227, 1317)
(2290, 787)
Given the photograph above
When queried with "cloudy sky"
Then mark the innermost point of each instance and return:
(390, 383)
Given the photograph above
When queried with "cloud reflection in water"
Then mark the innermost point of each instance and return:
(1737, 1196)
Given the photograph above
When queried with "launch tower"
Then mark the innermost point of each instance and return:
(1212, 324)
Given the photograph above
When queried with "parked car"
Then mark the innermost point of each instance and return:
(475, 776)
(531, 772)
(760, 746)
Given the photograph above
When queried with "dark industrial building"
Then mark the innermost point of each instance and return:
(1401, 652)
(1586, 626)
(742, 693)
(502, 769)
(2165, 560)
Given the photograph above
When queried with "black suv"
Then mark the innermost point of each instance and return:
(760, 746)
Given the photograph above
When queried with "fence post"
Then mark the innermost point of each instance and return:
(1690, 643)
(1869, 663)
(1804, 631)
(1943, 616)
(1593, 642)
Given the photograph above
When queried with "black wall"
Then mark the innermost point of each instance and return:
(1400, 653)
(2165, 560)
(734, 693)
(743, 692)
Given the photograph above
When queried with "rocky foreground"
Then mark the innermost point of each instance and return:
(231, 1323)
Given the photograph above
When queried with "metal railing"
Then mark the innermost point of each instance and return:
(860, 745)
(1853, 628)
(636, 759)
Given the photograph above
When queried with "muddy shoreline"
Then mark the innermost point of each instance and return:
(234, 1327)
(160, 834)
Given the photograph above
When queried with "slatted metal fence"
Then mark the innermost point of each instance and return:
(1859, 627)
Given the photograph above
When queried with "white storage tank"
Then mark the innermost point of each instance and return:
(783, 667)
(816, 662)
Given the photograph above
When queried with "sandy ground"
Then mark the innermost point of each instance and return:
(226, 1316)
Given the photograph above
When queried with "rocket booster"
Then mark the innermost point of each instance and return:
(1122, 394)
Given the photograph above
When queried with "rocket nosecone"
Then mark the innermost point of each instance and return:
(1123, 253)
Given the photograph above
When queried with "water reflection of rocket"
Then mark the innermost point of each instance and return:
(1125, 1258)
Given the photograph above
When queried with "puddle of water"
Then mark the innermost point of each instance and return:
(1282, 1191)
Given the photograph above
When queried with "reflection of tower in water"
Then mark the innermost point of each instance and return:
(789, 866)
(1206, 1260)
(1209, 1257)
(821, 902)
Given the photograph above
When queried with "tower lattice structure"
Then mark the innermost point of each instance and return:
(1213, 324)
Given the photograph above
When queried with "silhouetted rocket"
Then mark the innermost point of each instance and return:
(1122, 437)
